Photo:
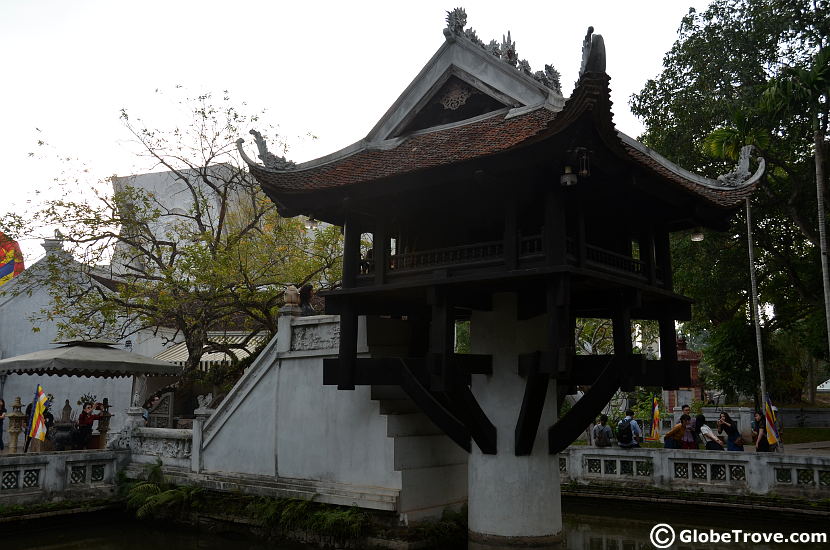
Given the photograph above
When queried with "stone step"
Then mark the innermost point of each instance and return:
(398, 406)
(388, 392)
(406, 424)
(427, 451)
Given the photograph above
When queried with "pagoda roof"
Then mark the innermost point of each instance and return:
(386, 154)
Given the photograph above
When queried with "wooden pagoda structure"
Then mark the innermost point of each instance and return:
(483, 179)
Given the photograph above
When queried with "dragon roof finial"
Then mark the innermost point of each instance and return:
(741, 173)
(456, 20)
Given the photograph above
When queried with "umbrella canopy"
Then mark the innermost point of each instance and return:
(86, 359)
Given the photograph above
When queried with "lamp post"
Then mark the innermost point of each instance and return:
(15, 424)
(755, 313)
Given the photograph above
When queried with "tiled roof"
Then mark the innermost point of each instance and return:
(490, 135)
(424, 150)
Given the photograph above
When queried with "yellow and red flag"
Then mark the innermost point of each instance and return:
(655, 421)
(38, 425)
(11, 259)
(772, 430)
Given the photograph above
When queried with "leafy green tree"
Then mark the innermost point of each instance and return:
(701, 109)
(217, 259)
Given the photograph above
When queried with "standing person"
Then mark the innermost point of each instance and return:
(2, 417)
(705, 433)
(674, 437)
(629, 433)
(602, 432)
(759, 433)
(734, 441)
(306, 308)
(689, 441)
(85, 420)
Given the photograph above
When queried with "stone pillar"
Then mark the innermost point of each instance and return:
(15, 419)
(201, 416)
(513, 500)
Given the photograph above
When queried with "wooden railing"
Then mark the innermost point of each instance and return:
(455, 256)
(530, 247)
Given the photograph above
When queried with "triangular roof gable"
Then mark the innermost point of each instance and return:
(461, 58)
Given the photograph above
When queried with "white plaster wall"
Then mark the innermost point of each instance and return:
(17, 336)
(245, 443)
(329, 434)
(280, 420)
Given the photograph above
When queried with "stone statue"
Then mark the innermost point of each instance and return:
(204, 400)
(292, 296)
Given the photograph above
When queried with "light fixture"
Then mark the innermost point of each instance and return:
(568, 179)
(128, 345)
(697, 235)
(584, 159)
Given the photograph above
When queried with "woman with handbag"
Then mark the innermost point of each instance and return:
(734, 441)
(705, 433)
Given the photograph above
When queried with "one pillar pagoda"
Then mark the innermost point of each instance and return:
(488, 197)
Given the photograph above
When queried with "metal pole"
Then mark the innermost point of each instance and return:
(755, 312)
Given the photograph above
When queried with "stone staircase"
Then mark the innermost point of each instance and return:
(433, 468)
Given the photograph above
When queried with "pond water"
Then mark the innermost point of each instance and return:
(589, 525)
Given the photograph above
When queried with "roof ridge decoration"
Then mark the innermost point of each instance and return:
(506, 50)
(593, 53)
(269, 159)
(741, 174)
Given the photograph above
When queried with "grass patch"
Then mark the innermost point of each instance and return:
(39, 508)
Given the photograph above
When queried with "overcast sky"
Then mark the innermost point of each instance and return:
(330, 69)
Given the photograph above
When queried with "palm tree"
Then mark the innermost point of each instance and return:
(806, 92)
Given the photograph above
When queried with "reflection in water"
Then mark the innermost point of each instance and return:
(628, 527)
(589, 525)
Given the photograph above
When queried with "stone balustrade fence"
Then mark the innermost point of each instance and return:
(710, 471)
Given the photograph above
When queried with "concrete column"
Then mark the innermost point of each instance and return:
(201, 416)
(513, 500)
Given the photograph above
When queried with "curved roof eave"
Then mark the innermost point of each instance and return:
(691, 176)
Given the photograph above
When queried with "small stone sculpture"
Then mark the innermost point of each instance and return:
(204, 400)
(292, 296)
(456, 20)
(270, 160)
(741, 172)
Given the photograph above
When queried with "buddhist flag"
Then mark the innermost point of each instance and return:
(38, 425)
(11, 259)
(655, 421)
(772, 429)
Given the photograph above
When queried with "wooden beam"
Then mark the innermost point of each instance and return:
(530, 414)
(570, 426)
(475, 419)
(380, 247)
(511, 232)
(554, 234)
(367, 372)
(351, 248)
(429, 405)
(347, 352)
(662, 252)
